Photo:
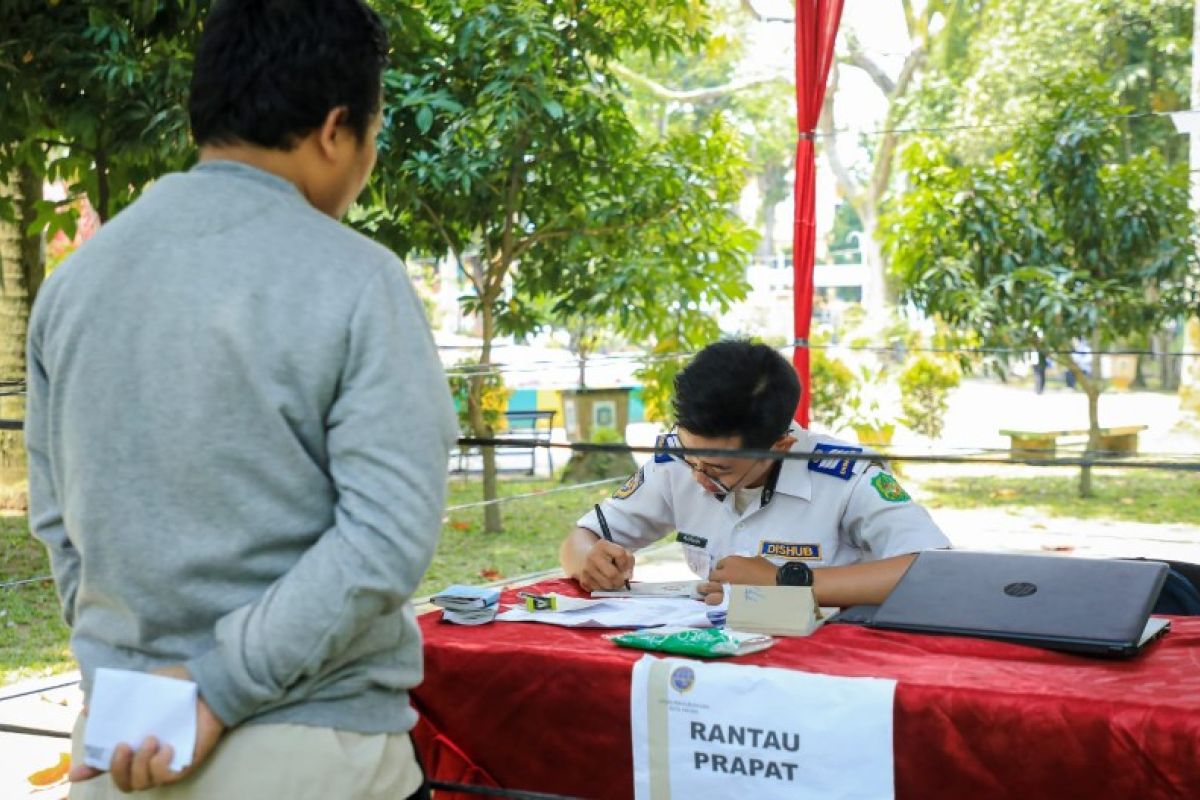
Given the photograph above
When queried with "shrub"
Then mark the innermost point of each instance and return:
(925, 385)
(830, 386)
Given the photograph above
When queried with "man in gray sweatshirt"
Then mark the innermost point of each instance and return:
(238, 428)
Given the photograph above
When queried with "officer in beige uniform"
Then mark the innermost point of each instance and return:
(840, 523)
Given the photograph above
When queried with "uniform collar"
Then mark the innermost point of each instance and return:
(794, 477)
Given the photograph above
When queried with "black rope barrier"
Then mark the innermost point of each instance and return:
(490, 791)
(571, 488)
(1100, 459)
(1093, 458)
(23, 581)
(467, 370)
(24, 731)
(39, 690)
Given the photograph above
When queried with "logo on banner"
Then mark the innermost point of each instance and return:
(683, 679)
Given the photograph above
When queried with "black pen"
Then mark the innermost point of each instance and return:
(607, 534)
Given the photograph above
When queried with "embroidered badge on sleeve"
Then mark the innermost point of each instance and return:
(630, 486)
(889, 488)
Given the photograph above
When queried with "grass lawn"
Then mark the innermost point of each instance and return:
(33, 638)
(1134, 495)
(533, 527)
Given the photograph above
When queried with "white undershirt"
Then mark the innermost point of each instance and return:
(742, 498)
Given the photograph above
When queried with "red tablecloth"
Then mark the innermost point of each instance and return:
(541, 708)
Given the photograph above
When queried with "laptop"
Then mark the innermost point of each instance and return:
(1078, 605)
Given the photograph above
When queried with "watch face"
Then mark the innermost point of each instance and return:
(794, 573)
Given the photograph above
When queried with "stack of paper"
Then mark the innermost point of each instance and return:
(654, 589)
(467, 605)
(610, 612)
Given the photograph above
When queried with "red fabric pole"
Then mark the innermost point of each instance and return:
(816, 30)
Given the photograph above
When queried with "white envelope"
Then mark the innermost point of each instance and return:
(126, 707)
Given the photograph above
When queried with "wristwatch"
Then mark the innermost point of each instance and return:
(794, 573)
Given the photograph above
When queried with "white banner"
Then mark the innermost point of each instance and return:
(734, 731)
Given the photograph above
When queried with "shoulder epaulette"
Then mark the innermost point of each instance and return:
(664, 441)
(839, 463)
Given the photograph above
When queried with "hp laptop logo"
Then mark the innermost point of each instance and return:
(1020, 589)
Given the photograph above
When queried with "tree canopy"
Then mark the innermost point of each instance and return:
(508, 146)
(1072, 233)
(93, 95)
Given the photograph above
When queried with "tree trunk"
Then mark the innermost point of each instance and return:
(875, 293)
(103, 191)
(1091, 388)
(22, 268)
(766, 247)
(479, 428)
(1166, 362)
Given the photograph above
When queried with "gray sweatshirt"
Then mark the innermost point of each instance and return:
(237, 429)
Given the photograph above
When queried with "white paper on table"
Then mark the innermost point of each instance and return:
(654, 589)
(731, 731)
(126, 707)
(640, 612)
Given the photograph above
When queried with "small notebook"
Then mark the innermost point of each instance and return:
(466, 598)
(654, 589)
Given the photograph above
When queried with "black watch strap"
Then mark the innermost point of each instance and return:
(794, 573)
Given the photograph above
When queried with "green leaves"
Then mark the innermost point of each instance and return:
(508, 145)
(105, 88)
(1068, 234)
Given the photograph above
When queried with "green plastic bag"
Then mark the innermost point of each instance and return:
(703, 642)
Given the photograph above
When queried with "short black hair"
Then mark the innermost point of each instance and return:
(737, 388)
(268, 72)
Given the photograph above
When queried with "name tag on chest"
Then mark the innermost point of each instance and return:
(792, 551)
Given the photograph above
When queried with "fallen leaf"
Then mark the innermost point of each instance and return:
(460, 525)
(50, 775)
(1038, 525)
(490, 573)
(1058, 548)
(1006, 494)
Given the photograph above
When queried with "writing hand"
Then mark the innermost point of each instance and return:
(607, 566)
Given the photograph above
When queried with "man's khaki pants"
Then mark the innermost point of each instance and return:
(281, 762)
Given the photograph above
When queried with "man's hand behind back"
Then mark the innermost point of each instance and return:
(150, 765)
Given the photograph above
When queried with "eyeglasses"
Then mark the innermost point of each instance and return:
(703, 469)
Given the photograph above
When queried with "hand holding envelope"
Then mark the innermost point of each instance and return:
(160, 714)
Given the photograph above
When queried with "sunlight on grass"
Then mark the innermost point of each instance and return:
(1127, 495)
(33, 637)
